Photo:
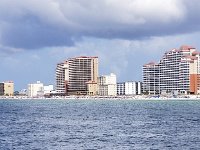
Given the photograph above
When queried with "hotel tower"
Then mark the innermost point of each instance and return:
(77, 76)
(177, 71)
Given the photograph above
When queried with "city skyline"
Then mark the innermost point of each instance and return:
(35, 35)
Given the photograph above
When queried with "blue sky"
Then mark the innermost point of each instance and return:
(35, 35)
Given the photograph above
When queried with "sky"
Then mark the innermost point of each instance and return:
(35, 35)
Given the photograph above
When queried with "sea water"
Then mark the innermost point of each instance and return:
(99, 124)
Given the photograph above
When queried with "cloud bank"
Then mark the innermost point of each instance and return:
(36, 24)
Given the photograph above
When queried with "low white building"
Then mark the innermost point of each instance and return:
(48, 89)
(108, 90)
(23, 92)
(38, 89)
(107, 85)
(129, 88)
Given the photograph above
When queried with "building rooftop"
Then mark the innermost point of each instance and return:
(87, 57)
(195, 53)
(150, 64)
(186, 47)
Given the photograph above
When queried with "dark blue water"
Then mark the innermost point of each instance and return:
(97, 124)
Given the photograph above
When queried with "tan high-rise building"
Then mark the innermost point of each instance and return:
(9, 88)
(151, 78)
(74, 74)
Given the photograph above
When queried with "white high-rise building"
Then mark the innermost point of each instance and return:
(107, 85)
(178, 71)
(61, 77)
(130, 88)
(35, 89)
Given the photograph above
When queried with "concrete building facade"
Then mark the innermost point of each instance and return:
(35, 89)
(151, 78)
(178, 71)
(107, 85)
(1, 89)
(9, 88)
(121, 88)
(73, 75)
(61, 77)
(48, 89)
(129, 88)
(92, 88)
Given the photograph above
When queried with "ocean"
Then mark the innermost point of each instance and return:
(99, 124)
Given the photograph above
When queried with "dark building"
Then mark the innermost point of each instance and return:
(1, 88)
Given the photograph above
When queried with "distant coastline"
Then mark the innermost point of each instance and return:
(137, 97)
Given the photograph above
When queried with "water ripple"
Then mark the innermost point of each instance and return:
(95, 124)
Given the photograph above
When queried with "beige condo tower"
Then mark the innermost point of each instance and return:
(77, 76)
(8, 88)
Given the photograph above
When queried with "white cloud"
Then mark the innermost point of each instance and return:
(62, 22)
(122, 12)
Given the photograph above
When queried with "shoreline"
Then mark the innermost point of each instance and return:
(137, 97)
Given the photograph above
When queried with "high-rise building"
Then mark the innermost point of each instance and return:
(129, 88)
(35, 89)
(74, 75)
(151, 78)
(61, 77)
(178, 71)
(9, 88)
(107, 85)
